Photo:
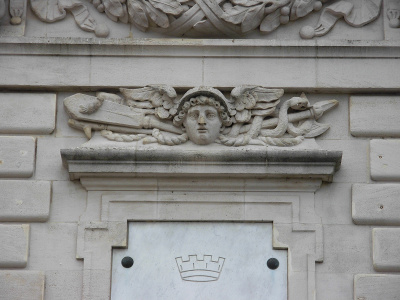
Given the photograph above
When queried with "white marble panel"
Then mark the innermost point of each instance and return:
(241, 249)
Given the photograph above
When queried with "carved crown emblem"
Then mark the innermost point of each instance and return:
(200, 270)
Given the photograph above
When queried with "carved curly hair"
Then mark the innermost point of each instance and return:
(202, 100)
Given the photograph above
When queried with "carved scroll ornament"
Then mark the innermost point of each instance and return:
(203, 115)
(211, 18)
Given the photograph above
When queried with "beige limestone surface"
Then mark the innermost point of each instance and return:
(27, 113)
(17, 156)
(24, 201)
(15, 246)
(340, 244)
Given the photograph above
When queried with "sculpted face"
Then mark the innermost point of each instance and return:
(202, 124)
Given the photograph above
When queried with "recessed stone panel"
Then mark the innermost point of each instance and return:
(376, 204)
(386, 242)
(24, 201)
(385, 159)
(375, 116)
(14, 246)
(27, 113)
(21, 285)
(376, 287)
(194, 260)
(17, 156)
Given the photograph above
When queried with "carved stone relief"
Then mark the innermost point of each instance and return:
(55, 10)
(211, 18)
(203, 115)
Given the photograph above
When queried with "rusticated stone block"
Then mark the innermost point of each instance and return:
(27, 113)
(24, 201)
(17, 156)
(376, 204)
(376, 287)
(21, 285)
(385, 160)
(14, 246)
(383, 110)
(386, 244)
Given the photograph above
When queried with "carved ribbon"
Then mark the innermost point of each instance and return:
(194, 16)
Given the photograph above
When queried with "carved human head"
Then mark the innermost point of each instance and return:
(203, 118)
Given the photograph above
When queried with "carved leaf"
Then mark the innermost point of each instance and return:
(253, 18)
(113, 7)
(47, 11)
(234, 14)
(271, 22)
(125, 17)
(247, 3)
(137, 13)
(364, 11)
(172, 7)
(302, 8)
(159, 17)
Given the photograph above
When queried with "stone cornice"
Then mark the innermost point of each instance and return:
(199, 48)
(210, 162)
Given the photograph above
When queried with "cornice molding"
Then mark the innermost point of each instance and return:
(199, 48)
(242, 162)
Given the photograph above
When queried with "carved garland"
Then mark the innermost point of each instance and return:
(210, 18)
(203, 115)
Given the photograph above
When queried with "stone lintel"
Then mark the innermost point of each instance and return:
(177, 162)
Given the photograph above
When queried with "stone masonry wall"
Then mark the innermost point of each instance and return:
(40, 207)
(43, 63)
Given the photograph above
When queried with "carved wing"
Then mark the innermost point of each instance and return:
(254, 101)
(158, 97)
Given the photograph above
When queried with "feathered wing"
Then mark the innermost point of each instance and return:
(158, 97)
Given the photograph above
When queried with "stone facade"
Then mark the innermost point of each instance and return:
(67, 192)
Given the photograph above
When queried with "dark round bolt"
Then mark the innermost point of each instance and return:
(273, 263)
(127, 262)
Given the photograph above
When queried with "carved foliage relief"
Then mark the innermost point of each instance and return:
(251, 115)
(212, 18)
